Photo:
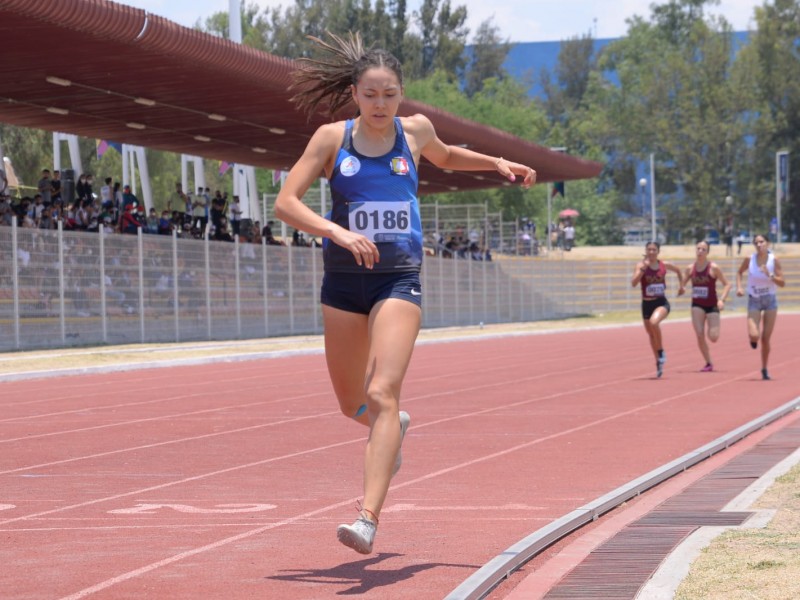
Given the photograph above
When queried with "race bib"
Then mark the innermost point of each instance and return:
(760, 291)
(381, 221)
(655, 289)
(700, 292)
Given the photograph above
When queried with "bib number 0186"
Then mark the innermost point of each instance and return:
(381, 221)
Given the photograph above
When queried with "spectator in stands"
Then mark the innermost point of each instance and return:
(84, 188)
(6, 212)
(35, 211)
(45, 187)
(569, 235)
(474, 238)
(255, 232)
(119, 200)
(164, 223)
(298, 239)
(525, 242)
(450, 248)
(199, 208)
(108, 226)
(21, 208)
(177, 221)
(46, 220)
(67, 218)
(187, 211)
(106, 213)
(206, 194)
(217, 209)
(92, 223)
(221, 234)
(107, 194)
(151, 223)
(177, 201)
(128, 223)
(128, 200)
(266, 233)
(236, 215)
(55, 187)
(81, 218)
(218, 197)
(28, 220)
(475, 252)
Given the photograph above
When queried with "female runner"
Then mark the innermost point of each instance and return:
(651, 274)
(706, 306)
(764, 277)
(371, 293)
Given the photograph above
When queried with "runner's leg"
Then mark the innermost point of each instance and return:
(753, 326)
(393, 328)
(713, 321)
(699, 324)
(770, 317)
(346, 351)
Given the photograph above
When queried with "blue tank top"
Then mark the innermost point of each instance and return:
(377, 197)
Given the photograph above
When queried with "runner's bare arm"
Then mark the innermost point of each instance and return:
(318, 158)
(445, 156)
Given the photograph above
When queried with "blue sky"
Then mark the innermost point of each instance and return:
(517, 20)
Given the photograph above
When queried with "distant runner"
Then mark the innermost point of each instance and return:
(706, 306)
(764, 277)
(651, 274)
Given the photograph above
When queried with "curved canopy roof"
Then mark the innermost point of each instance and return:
(105, 70)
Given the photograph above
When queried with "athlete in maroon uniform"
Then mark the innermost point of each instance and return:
(651, 274)
(706, 306)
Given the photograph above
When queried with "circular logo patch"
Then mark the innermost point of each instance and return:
(350, 166)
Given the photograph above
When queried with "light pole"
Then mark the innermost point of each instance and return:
(732, 230)
(653, 196)
(781, 188)
(562, 150)
(642, 186)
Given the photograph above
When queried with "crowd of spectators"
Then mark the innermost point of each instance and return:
(461, 244)
(116, 209)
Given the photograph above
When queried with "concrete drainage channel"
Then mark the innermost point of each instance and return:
(503, 565)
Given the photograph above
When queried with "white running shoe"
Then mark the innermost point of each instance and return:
(405, 421)
(660, 361)
(358, 536)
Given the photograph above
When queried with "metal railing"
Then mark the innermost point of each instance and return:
(63, 288)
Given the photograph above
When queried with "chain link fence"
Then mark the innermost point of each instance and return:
(60, 288)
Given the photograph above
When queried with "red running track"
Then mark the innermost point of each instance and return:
(228, 480)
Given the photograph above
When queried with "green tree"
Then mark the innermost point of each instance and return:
(255, 27)
(576, 61)
(30, 151)
(443, 37)
(676, 99)
(488, 54)
(503, 104)
(769, 69)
